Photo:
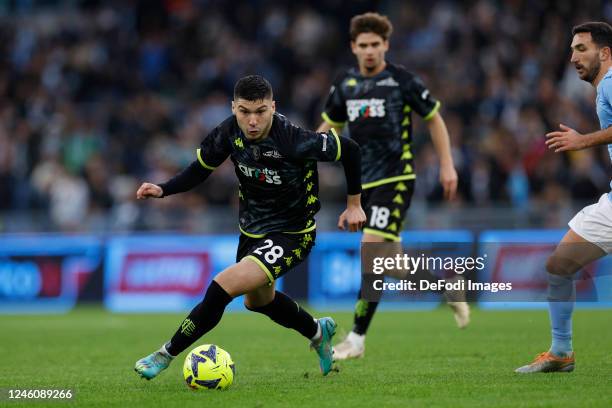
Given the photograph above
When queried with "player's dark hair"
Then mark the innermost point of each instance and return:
(371, 23)
(601, 32)
(253, 88)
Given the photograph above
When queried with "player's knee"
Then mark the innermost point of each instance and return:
(250, 305)
(367, 238)
(561, 266)
(254, 305)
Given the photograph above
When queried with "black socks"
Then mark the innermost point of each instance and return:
(201, 320)
(286, 312)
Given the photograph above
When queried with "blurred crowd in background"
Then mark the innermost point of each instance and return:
(98, 96)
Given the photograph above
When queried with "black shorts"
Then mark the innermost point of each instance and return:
(277, 252)
(386, 206)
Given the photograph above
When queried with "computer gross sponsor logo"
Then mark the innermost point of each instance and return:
(264, 175)
(365, 108)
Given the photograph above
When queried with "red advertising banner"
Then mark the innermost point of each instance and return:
(179, 272)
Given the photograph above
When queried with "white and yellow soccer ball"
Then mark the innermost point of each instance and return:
(208, 367)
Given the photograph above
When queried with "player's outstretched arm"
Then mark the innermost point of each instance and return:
(187, 179)
(441, 142)
(567, 139)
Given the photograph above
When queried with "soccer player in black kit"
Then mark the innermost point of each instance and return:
(376, 101)
(275, 162)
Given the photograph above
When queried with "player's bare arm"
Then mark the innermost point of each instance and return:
(568, 139)
(441, 142)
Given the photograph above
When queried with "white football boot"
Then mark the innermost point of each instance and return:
(353, 346)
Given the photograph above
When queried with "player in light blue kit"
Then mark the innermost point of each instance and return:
(590, 234)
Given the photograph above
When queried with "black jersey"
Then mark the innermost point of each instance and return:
(278, 180)
(378, 110)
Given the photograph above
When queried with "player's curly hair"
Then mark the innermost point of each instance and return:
(371, 23)
(601, 32)
(253, 88)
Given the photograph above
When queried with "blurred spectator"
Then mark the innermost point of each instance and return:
(98, 96)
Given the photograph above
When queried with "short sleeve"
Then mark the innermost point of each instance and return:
(418, 96)
(604, 102)
(308, 145)
(334, 111)
(214, 149)
(606, 90)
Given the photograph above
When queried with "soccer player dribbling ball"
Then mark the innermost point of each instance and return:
(276, 165)
(375, 101)
(590, 234)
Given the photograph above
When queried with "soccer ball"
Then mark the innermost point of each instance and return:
(208, 367)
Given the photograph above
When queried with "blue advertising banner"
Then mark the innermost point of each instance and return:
(170, 273)
(44, 273)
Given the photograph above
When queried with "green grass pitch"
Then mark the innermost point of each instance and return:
(412, 359)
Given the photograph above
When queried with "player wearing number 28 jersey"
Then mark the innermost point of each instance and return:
(275, 162)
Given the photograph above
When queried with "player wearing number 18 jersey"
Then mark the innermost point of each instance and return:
(275, 162)
(376, 102)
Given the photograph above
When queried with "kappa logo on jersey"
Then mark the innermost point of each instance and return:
(263, 175)
(365, 108)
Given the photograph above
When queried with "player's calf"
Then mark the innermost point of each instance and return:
(288, 313)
